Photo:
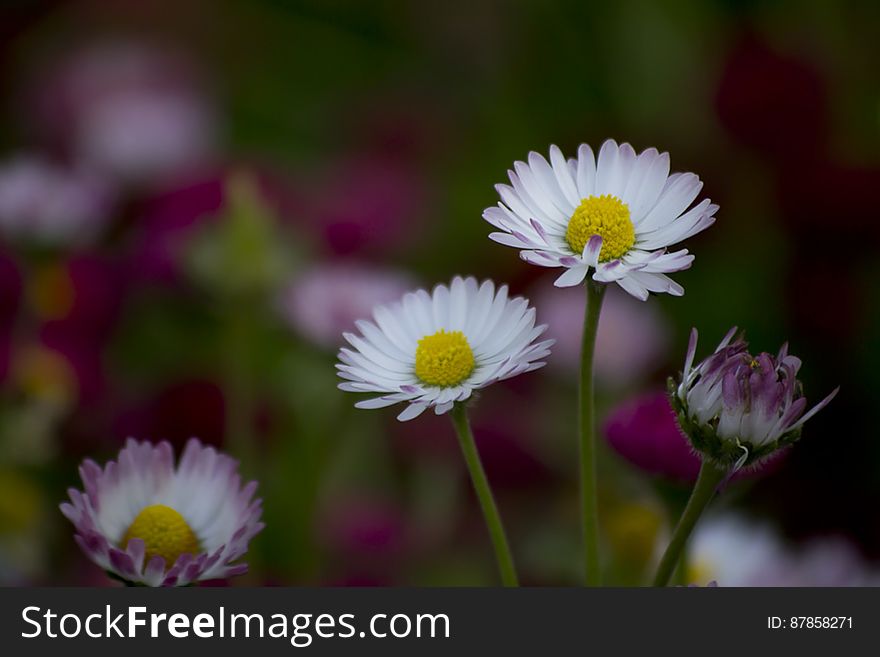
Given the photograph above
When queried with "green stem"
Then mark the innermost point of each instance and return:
(587, 422)
(707, 482)
(484, 494)
(239, 387)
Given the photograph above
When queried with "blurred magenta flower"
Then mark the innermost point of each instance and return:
(368, 538)
(370, 202)
(360, 525)
(47, 205)
(134, 112)
(168, 222)
(172, 219)
(325, 300)
(148, 521)
(643, 430)
(177, 411)
(10, 296)
(773, 102)
(632, 340)
(79, 318)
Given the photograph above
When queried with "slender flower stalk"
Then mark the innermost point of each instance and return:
(587, 423)
(484, 494)
(709, 479)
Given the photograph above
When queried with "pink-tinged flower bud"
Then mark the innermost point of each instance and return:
(737, 408)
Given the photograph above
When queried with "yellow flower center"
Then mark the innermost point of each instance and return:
(164, 532)
(606, 216)
(444, 359)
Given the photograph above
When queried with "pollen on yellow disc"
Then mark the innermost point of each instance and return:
(164, 532)
(444, 359)
(606, 216)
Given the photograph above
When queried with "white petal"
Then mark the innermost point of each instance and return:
(572, 276)
(633, 288)
(586, 171)
(412, 411)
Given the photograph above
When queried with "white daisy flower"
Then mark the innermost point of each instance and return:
(616, 214)
(432, 350)
(148, 522)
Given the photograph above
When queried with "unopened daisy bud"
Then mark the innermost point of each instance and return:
(737, 408)
(430, 350)
(147, 522)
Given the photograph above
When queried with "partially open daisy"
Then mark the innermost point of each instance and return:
(616, 214)
(432, 350)
(737, 409)
(148, 522)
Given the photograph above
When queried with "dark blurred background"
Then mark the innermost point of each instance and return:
(197, 198)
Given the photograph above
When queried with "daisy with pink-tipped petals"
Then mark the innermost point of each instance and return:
(150, 522)
(616, 215)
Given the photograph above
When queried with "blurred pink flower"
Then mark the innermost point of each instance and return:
(132, 111)
(324, 301)
(643, 430)
(368, 538)
(369, 203)
(361, 525)
(142, 136)
(632, 339)
(80, 333)
(773, 102)
(10, 296)
(46, 204)
(168, 221)
(176, 412)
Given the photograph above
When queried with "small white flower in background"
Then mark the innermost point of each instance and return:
(137, 112)
(737, 551)
(430, 350)
(147, 134)
(616, 215)
(46, 204)
(737, 408)
(733, 551)
(148, 522)
(632, 338)
(326, 300)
